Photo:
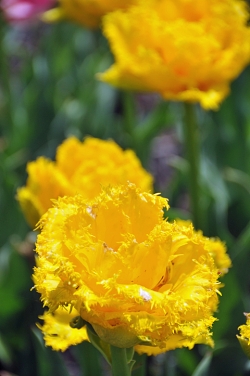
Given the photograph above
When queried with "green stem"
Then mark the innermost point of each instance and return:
(193, 156)
(128, 112)
(120, 366)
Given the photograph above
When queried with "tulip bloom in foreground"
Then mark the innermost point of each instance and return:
(17, 11)
(182, 49)
(80, 167)
(86, 13)
(136, 278)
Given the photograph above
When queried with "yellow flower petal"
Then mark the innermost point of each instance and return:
(126, 269)
(85, 12)
(57, 330)
(44, 183)
(80, 167)
(53, 15)
(215, 246)
(244, 337)
(184, 50)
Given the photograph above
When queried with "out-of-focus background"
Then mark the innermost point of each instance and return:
(48, 91)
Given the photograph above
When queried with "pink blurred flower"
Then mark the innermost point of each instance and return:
(24, 10)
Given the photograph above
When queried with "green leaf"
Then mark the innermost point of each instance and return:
(203, 367)
(5, 355)
(88, 358)
(49, 363)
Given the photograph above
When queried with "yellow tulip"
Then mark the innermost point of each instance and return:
(136, 278)
(80, 167)
(184, 50)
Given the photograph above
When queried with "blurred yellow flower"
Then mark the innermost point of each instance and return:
(80, 167)
(244, 337)
(182, 49)
(85, 12)
(217, 249)
(136, 278)
(57, 330)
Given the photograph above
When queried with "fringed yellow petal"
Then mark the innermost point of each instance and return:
(244, 337)
(216, 248)
(57, 330)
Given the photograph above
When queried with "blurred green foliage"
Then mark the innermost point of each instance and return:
(48, 91)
